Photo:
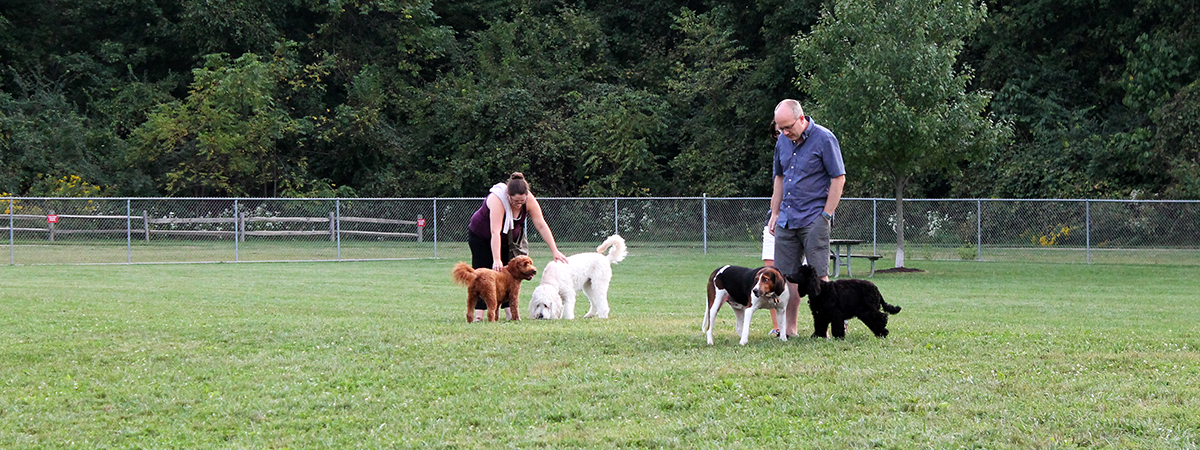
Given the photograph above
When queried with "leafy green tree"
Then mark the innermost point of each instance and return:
(521, 97)
(707, 68)
(1165, 57)
(42, 135)
(672, 97)
(883, 77)
(90, 45)
(622, 127)
(767, 30)
(1178, 139)
(1079, 80)
(225, 137)
(95, 56)
(237, 26)
(381, 57)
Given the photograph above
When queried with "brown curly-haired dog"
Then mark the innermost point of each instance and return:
(494, 287)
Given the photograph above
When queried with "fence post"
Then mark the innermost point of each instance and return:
(128, 233)
(50, 226)
(332, 224)
(616, 227)
(11, 238)
(874, 226)
(1087, 225)
(146, 223)
(704, 219)
(237, 231)
(337, 208)
(978, 230)
(420, 228)
(435, 220)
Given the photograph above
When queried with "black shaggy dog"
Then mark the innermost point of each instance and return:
(837, 301)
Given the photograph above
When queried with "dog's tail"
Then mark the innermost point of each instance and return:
(463, 274)
(890, 309)
(618, 252)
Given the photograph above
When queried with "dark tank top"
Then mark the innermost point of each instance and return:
(481, 221)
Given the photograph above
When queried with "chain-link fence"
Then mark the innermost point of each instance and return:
(161, 230)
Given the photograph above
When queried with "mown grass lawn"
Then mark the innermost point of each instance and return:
(378, 354)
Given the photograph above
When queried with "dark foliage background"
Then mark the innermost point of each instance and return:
(628, 98)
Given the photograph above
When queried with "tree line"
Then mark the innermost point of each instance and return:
(410, 98)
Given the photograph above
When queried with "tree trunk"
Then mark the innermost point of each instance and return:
(899, 185)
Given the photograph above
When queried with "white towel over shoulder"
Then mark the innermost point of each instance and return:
(501, 191)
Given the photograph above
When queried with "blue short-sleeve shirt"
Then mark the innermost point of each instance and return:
(807, 169)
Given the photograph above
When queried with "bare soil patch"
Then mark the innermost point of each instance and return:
(899, 270)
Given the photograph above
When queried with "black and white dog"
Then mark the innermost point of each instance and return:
(746, 290)
(834, 302)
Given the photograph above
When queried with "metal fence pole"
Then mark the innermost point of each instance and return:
(128, 234)
(237, 230)
(704, 219)
(337, 207)
(978, 230)
(874, 226)
(1087, 225)
(12, 205)
(616, 228)
(435, 224)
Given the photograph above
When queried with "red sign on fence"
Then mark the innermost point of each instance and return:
(421, 223)
(52, 218)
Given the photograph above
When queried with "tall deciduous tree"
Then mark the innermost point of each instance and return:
(224, 138)
(42, 134)
(706, 70)
(883, 77)
(1178, 140)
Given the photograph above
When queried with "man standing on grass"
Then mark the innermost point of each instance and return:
(809, 177)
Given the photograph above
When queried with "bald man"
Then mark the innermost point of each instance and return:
(809, 178)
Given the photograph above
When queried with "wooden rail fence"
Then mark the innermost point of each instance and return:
(150, 226)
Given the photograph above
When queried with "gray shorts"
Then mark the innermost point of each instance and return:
(812, 242)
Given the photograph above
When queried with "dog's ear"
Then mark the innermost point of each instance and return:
(778, 280)
(795, 277)
(809, 281)
(814, 284)
(520, 264)
(527, 270)
(800, 276)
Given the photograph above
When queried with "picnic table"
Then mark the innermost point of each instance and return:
(841, 259)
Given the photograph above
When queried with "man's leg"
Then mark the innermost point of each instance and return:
(789, 246)
(768, 257)
(816, 246)
(793, 310)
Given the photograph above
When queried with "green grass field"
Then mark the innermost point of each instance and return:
(378, 355)
(83, 250)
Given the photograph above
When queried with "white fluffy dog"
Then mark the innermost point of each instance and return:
(589, 272)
